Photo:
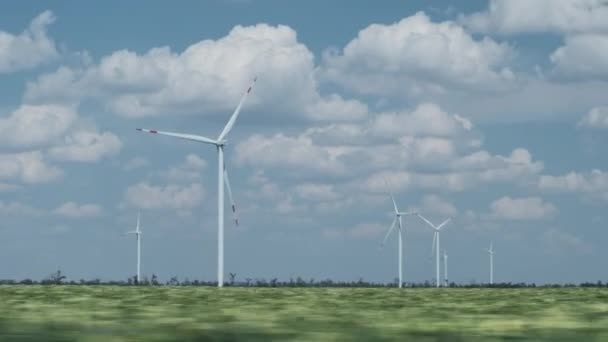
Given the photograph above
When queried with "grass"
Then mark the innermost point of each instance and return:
(102, 313)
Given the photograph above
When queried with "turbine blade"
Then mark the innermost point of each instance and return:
(407, 213)
(137, 227)
(232, 205)
(425, 220)
(389, 232)
(192, 137)
(434, 244)
(444, 223)
(235, 115)
(391, 194)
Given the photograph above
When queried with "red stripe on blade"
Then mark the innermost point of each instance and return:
(153, 131)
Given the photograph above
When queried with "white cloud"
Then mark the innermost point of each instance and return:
(593, 183)
(74, 210)
(18, 209)
(27, 167)
(582, 57)
(416, 56)
(171, 196)
(427, 119)
(188, 171)
(520, 16)
(28, 49)
(287, 152)
(36, 125)
(595, 118)
(463, 173)
(556, 241)
(358, 231)
(529, 208)
(208, 76)
(87, 146)
(135, 163)
(316, 192)
(437, 205)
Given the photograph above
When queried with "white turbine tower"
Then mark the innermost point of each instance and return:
(137, 233)
(396, 221)
(222, 176)
(436, 229)
(445, 268)
(491, 253)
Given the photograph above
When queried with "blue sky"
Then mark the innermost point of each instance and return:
(493, 113)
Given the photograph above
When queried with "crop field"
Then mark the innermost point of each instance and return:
(102, 313)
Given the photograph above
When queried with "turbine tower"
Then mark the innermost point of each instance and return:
(137, 233)
(491, 253)
(398, 220)
(445, 268)
(435, 247)
(222, 176)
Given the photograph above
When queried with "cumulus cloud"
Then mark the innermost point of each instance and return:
(359, 231)
(593, 183)
(463, 173)
(427, 119)
(425, 137)
(187, 171)
(287, 152)
(32, 125)
(316, 192)
(87, 146)
(582, 56)
(27, 167)
(436, 205)
(135, 163)
(418, 56)
(146, 196)
(521, 16)
(18, 209)
(528, 208)
(595, 118)
(208, 76)
(556, 241)
(28, 49)
(74, 210)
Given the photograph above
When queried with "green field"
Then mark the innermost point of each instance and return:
(102, 313)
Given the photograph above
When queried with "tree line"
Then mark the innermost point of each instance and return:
(58, 278)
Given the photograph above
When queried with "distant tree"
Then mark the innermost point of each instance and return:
(55, 278)
(173, 281)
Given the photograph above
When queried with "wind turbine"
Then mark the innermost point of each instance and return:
(397, 219)
(491, 253)
(137, 233)
(445, 268)
(222, 176)
(436, 229)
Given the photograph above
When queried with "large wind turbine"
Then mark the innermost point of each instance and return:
(491, 253)
(222, 176)
(436, 229)
(398, 220)
(137, 233)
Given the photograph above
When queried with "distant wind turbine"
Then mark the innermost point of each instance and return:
(491, 253)
(445, 268)
(398, 220)
(222, 177)
(435, 247)
(137, 233)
